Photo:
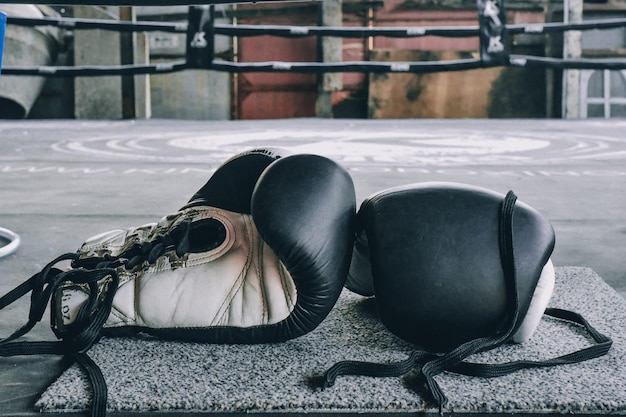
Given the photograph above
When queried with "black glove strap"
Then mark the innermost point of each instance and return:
(418, 358)
(600, 348)
(86, 328)
(376, 369)
(76, 342)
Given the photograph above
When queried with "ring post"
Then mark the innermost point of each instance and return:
(200, 49)
(3, 24)
(494, 38)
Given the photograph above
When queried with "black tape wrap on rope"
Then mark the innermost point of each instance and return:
(493, 33)
(200, 51)
(494, 38)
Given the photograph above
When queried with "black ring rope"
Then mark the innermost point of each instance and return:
(147, 2)
(357, 66)
(85, 24)
(347, 32)
(241, 67)
(97, 70)
(302, 31)
(210, 63)
(421, 67)
(556, 63)
(556, 27)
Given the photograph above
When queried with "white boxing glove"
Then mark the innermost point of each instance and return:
(259, 254)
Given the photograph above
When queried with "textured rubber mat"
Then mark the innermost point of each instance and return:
(148, 374)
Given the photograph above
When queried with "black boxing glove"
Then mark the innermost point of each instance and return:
(430, 253)
(455, 269)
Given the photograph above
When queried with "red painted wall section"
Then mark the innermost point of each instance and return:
(277, 95)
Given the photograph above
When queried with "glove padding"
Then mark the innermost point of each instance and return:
(430, 254)
(259, 254)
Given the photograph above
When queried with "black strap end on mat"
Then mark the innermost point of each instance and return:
(417, 360)
(99, 402)
(391, 369)
(430, 365)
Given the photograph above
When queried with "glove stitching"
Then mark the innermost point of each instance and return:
(257, 253)
(260, 273)
(119, 318)
(136, 288)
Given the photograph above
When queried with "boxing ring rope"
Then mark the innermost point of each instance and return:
(113, 25)
(303, 31)
(492, 31)
(148, 2)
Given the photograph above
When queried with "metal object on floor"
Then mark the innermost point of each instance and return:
(14, 242)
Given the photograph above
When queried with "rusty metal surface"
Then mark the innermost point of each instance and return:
(438, 95)
(276, 95)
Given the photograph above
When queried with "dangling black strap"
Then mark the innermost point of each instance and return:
(600, 348)
(40, 285)
(486, 370)
(90, 319)
(434, 364)
(75, 343)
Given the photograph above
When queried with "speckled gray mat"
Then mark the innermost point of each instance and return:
(158, 375)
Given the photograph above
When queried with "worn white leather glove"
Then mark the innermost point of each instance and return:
(259, 254)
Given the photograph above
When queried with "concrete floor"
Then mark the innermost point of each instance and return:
(63, 181)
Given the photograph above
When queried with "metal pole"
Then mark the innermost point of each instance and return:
(572, 48)
(330, 51)
(127, 57)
